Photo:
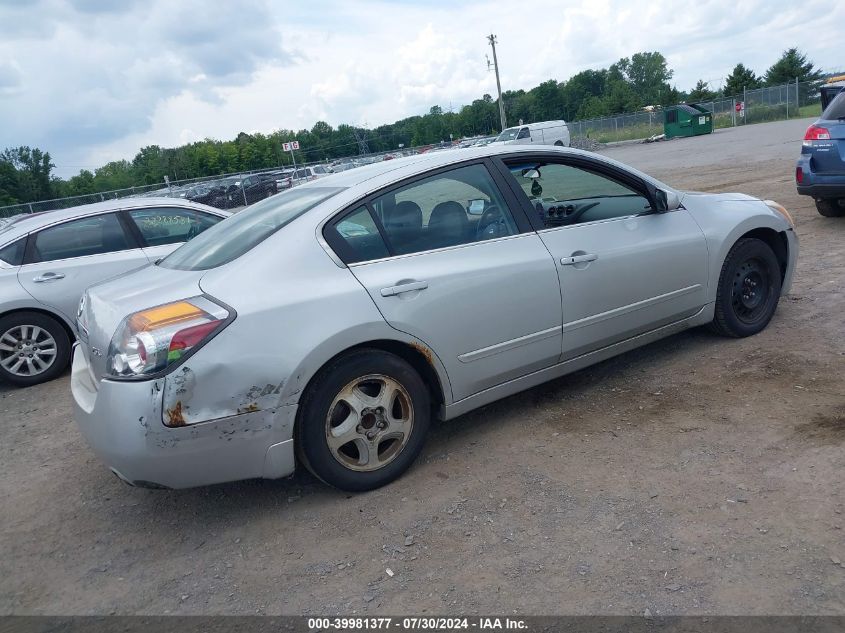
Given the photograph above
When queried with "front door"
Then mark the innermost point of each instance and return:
(479, 289)
(624, 269)
(61, 261)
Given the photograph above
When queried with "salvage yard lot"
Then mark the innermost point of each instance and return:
(697, 475)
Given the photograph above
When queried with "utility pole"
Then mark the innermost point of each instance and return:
(492, 39)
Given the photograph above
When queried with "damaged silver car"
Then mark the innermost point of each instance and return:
(330, 324)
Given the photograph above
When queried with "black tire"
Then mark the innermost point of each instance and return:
(749, 289)
(9, 323)
(559, 143)
(314, 424)
(830, 208)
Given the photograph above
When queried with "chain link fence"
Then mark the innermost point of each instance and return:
(764, 104)
(773, 103)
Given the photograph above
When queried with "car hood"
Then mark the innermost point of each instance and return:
(700, 196)
(108, 303)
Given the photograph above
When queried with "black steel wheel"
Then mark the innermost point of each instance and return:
(749, 289)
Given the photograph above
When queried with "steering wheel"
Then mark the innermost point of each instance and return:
(492, 224)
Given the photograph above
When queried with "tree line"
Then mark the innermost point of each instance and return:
(629, 84)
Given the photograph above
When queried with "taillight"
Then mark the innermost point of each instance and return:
(799, 175)
(149, 341)
(817, 133)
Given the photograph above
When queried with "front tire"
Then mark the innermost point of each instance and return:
(830, 207)
(363, 420)
(34, 348)
(749, 289)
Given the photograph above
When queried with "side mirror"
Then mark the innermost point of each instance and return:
(666, 200)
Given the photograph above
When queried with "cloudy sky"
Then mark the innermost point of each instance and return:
(94, 80)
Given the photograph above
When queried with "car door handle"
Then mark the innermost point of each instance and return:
(392, 291)
(578, 259)
(48, 277)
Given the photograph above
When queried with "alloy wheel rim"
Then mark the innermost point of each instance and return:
(369, 423)
(751, 290)
(27, 350)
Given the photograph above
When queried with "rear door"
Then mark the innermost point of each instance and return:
(624, 269)
(62, 260)
(161, 230)
(480, 290)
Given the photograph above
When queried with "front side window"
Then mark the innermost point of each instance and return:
(563, 194)
(524, 133)
(443, 210)
(228, 240)
(78, 238)
(161, 226)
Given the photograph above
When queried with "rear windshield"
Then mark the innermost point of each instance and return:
(240, 233)
(836, 108)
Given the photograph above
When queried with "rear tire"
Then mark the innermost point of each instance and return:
(559, 143)
(363, 420)
(749, 289)
(34, 348)
(830, 207)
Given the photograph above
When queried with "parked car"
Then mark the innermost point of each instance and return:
(283, 179)
(203, 193)
(820, 171)
(542, 133)
(830, 88)
(330, 323)
(239, 191)
(48, 259)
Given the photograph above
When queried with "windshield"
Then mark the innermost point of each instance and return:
(240, 233)
(508, 135)
(836, 108)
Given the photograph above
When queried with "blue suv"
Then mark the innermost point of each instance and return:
(820, 171)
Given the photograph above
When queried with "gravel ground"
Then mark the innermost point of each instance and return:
(697, 475)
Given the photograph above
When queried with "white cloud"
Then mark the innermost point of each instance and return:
(93, 80)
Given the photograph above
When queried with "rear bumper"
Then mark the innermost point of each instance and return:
(122, 423)
(819, 185)
(823, 190)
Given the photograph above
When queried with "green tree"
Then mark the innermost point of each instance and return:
(701, 92)
(791, 65)
(740, 78)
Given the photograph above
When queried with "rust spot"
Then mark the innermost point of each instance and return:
(174, 415)
(250, 408)
(422, 349)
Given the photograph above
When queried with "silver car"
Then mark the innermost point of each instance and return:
(48, 259)
(328, 325)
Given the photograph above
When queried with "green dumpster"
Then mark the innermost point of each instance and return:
(687, 119)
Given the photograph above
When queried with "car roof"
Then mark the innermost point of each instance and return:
(23, 224)
(433, 160)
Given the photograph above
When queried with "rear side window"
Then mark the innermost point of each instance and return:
(357, 235)
(13, 253)
(78, 238)
(836, 108)
(171, 226)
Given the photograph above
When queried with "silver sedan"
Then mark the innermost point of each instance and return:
(47, 260)
(330, 324)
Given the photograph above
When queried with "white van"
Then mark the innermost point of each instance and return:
(542, 133)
